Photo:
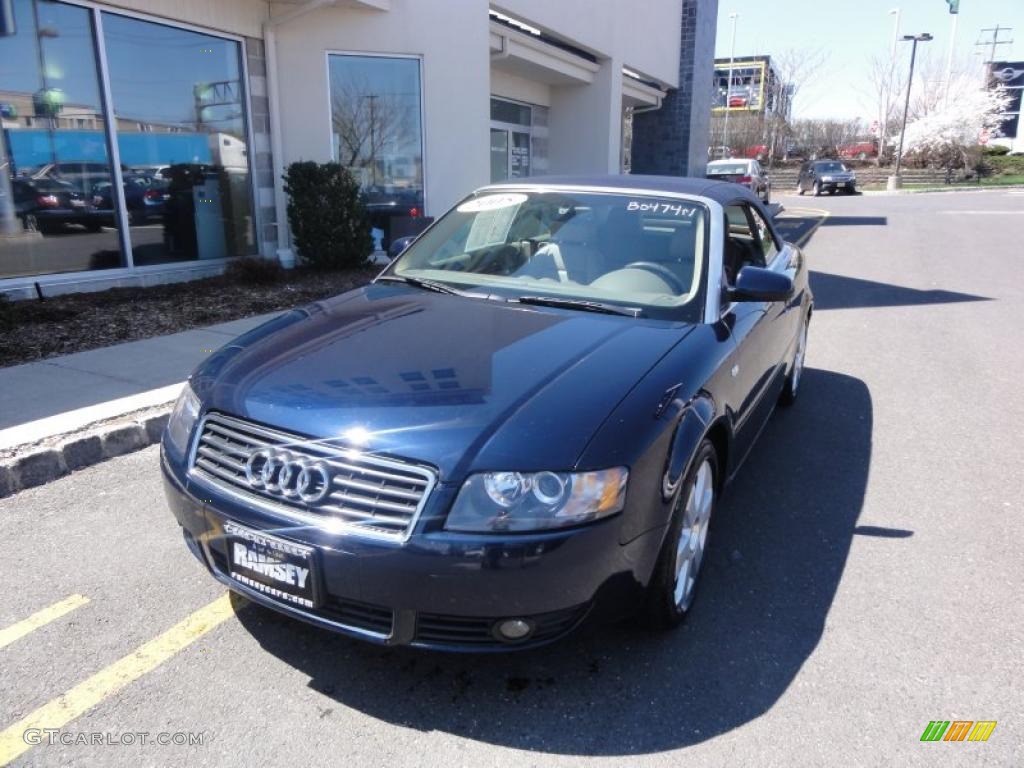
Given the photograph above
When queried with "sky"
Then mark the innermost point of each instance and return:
(853, 31)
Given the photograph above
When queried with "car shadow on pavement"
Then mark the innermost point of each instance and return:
(778, 548)
(841, 292)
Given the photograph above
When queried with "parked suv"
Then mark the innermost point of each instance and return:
(826, 176)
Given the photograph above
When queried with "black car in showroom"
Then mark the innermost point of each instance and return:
(830, 176)
(524, 422)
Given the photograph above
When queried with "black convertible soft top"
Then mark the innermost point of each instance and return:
(723, 192)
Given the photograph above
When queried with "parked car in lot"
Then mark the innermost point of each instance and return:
(144, 198)
(748, 173)
(47, 205)
(860, 151)
(830, 176)
(526, 420)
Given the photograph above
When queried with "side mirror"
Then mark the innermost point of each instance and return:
(760, 284)
(399, 245)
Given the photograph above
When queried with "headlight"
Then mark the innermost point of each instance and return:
(826, 178)
(183, 418)
(495, 502)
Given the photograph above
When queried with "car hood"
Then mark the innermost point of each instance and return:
(462, 384)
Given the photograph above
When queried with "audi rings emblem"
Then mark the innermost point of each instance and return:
(275, 471)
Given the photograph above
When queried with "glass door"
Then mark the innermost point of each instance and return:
(510, 154)
(499, 154)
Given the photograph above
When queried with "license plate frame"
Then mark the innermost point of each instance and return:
(281, 570)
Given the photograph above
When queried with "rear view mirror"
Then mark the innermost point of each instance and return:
(760, 284)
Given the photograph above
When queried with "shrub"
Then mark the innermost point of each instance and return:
(6, 313)
(1005, 165)
(995, 150)
(252, 270)
(329, 221)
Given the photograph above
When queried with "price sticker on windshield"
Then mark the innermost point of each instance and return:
(662, 209)
(493, 220)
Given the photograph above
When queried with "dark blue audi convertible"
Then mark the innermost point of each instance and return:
(523, 423)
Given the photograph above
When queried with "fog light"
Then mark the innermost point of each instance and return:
(514, 629)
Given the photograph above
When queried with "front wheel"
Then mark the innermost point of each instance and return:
(792, 385)
(817, 189)
(674, 583)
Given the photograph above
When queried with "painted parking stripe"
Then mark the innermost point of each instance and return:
(40, 619)
(109, 681)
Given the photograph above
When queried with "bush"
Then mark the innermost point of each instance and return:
(995, 150)
(1005, 165)
(329, 221)
(252, 270)
(6, 313)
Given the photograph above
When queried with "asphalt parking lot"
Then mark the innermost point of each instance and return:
(864, 576)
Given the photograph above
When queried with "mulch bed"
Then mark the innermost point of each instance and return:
(35, 330)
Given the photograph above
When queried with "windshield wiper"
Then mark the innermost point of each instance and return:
(580, 304)
(419, 282)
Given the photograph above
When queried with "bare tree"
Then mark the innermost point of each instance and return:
(369, 125)
(797, 68)
(884, 86)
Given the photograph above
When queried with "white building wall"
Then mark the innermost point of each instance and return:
(451, 38)
(509, 86)
(642, 35)
(238, 17)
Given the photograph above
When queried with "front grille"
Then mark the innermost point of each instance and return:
(369, 494)
(463, 630)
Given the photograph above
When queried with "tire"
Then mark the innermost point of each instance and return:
(767, 197)
(799, 188)
(791, 388)
(817, 189)
(31, 223)
(93, 226)
(669, 600)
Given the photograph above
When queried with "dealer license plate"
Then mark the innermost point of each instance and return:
(278, 568)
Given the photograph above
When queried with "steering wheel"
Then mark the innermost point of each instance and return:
(661, 271)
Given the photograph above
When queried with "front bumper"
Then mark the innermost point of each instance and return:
(437, 590)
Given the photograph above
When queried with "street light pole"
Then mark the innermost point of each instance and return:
(894, 180)
(883, 123)
(732, 56)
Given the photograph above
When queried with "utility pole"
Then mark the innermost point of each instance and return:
(995, 41)
(373, 136)
(728, 88)
(894, 180)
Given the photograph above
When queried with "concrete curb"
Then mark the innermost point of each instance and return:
(41, 463)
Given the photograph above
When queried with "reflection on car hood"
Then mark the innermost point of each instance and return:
(459, 383)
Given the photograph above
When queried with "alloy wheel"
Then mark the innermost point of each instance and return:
(693, 535)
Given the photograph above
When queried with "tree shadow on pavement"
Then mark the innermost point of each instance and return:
(777, 552)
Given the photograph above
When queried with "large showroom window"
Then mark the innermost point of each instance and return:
(54, 145)
(182, 178)
(377, 131)
(181, 133)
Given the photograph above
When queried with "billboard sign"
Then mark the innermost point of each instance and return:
(1010, 75)
(739, 87)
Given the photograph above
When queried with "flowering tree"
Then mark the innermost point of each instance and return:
(949, 131)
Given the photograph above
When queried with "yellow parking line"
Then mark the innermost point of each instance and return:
(107, 682)
(40, 619)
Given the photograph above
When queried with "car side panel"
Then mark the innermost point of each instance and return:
(640, 431)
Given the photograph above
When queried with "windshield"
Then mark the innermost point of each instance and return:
(726, 169)
(831, 167)
(643, 252)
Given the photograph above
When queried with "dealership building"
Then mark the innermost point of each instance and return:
(144, 141)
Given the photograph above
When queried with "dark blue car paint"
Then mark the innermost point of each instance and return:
(536, 388)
